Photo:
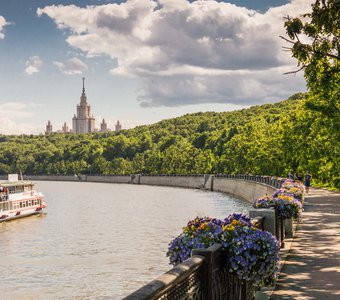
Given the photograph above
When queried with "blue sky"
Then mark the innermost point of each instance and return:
(143, 60)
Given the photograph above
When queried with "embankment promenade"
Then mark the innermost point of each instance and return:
(312, 267)
(312, 258)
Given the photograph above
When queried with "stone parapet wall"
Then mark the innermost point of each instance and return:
(53, 177)
(176, 181)
(245, 189)
(110, 179)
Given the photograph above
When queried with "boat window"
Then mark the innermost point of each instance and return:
(19, 189)
(28, 188)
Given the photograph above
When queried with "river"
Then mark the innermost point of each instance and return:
(97, 240)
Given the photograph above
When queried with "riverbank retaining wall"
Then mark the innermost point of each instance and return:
(54, 177)
(193, 182)
(246, 189)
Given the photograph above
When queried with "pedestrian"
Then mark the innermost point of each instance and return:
(308, 178)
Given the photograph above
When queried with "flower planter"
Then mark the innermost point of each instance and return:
(251, 254)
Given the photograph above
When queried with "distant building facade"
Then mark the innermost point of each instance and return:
(65, 129)
(118, 126)
(83, 121)
(48, 127)
(103, 127)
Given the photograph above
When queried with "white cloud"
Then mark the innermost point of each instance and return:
(71, 66)
(16, 117)
(188, 52)
(3, 23)
(33, 65)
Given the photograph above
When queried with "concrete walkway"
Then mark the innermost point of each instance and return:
(312, 267)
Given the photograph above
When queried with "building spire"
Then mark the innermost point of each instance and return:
(83, 99)
(84, 85)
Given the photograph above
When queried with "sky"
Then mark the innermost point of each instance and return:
(143, 60)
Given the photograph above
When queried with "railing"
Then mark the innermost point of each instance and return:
(269, 180)
(204, 276)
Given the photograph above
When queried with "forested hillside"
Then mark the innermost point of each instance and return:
(270, 139)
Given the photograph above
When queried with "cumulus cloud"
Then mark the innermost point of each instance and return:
(15, 118)
(3, 23)
(72, 66)
(188, 52)
(33, 65)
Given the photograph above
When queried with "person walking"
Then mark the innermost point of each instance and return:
(308, 178)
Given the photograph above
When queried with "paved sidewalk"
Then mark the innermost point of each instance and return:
(312, 268)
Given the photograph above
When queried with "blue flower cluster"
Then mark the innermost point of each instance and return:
(252, 254)
(264, 202)
(288, 208)
(198, 233)
(284, 199)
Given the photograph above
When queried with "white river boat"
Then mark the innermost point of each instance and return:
(18, 199)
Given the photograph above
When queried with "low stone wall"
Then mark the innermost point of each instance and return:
(245, 188)
(54, 177)
(176, 181)
(110, 179)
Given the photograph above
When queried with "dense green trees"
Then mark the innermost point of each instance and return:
(271, 139)
(315, 43)
(314, 40)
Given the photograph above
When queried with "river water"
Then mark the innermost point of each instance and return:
(97, 240)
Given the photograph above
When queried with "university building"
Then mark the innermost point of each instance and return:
(83, 121)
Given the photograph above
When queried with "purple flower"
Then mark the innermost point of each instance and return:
(252, 254)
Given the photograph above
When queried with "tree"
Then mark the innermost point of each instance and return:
(316, 46)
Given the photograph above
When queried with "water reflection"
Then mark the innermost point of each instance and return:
(99, 241)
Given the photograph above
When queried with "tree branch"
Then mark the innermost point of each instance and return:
(287, 40)
(294, 72)
(311, 51)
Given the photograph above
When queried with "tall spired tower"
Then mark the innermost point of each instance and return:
(83, 122)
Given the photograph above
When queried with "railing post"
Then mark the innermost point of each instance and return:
(269, 221)
(280, 229)
(277, 225)
(208, 269)
(282, 226)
